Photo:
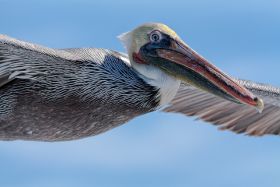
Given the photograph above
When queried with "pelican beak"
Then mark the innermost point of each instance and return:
(180, 61)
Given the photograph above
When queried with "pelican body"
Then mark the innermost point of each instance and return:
(67, 101)
(65, 94)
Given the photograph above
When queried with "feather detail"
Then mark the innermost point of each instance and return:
(64, 94)
(230, 116)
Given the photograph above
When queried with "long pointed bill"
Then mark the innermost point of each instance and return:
(200, 73)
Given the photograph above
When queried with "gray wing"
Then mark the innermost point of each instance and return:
(23, 60)
(54, 94)
(227, 115)
(17, 59)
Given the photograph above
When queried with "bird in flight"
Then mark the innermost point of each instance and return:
(65, 94)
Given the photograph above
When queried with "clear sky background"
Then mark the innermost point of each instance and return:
(158, 149)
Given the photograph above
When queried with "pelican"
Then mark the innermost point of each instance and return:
(66, 94)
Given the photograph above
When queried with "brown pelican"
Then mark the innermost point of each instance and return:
(64, 94)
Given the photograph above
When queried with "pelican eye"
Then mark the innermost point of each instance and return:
(155, 36)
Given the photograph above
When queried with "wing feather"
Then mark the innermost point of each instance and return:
(231, 116)
(18, 59)
(23, 60)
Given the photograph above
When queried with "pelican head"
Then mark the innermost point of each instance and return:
(158, 54)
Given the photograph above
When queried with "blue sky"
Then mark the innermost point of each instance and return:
(158, 149)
